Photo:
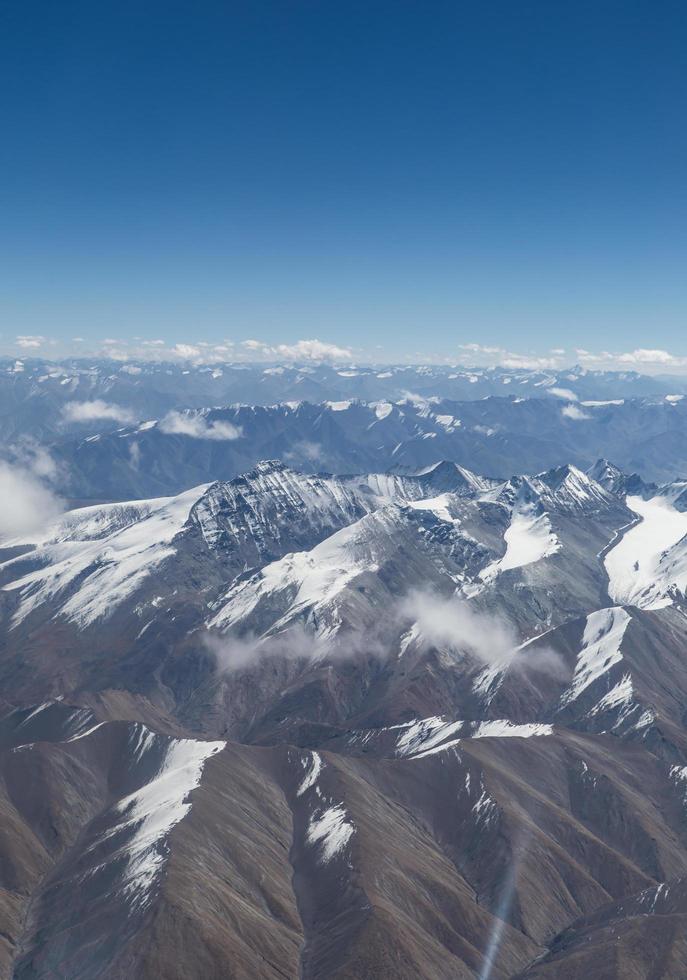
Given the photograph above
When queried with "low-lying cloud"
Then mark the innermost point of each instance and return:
(28, 502)
(446, 623)
(234, 653)
(450, 624)
(574, 412)
(198, 427)
(565, 393)
(312, 451)
(454, 624)
(96, 410)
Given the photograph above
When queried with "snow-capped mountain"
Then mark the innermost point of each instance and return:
(279, 712)
(113, 432)
(34, 391)
(495, 437)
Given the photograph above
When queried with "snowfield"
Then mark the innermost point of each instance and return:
(601, 643)
(651, 558)
(529, 538)
(108, 565)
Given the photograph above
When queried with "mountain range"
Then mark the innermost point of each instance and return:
(413, 721)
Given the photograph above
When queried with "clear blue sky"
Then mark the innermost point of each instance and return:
(409, 174)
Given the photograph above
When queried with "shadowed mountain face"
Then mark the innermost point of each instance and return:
(496, 436)
(135, 431)
(404, 724)
(35, 392)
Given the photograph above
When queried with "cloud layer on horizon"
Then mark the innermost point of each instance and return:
(472, 355)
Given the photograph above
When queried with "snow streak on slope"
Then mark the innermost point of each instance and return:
(152, 811)
(313, 578)
(314, 768)
(601, 642)
(330, 827)
(270, 503)
(651, 558)
(429, 735)
(107, 569)
(331, 831)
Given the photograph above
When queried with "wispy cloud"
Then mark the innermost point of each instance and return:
(186, 351)
(95, 410)
(642, 359)
(453, 624)
(27, 342)
(644, 356)
(196, 426)
(646, 359)
(233, 653)
(302, 350)
(485, 356)
(562, 393)
(28, 502)
(574, 412)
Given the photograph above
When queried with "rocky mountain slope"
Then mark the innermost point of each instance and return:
(495, 436)
(415, 725)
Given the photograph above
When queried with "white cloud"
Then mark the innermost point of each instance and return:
(305, 449)
(237, 653)
(130, 369)
(302, 350)
(481, 349)
(562, 393)
(647, 360)
(454, 625)
(574, 412)
(185, 351)
(91, 411)
(135, 455)
(29, 343)
(114, 352)
(529, 362)
(511, 360)
(644, 356)
(198, 427)
(32, 456)
(27, 503)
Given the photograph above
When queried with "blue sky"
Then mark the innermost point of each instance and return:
(396, 179)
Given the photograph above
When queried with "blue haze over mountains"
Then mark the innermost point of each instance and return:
(323, 673)
(323, 418)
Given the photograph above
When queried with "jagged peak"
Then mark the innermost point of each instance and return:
(568, 473)
(601, 468)
(450, 476)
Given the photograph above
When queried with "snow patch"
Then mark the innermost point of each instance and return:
(430, 735)
(108, 551)
(152, 811)
(601, 642)
(313, 771)
(330, 831)
(529, 539)
(650, 560)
